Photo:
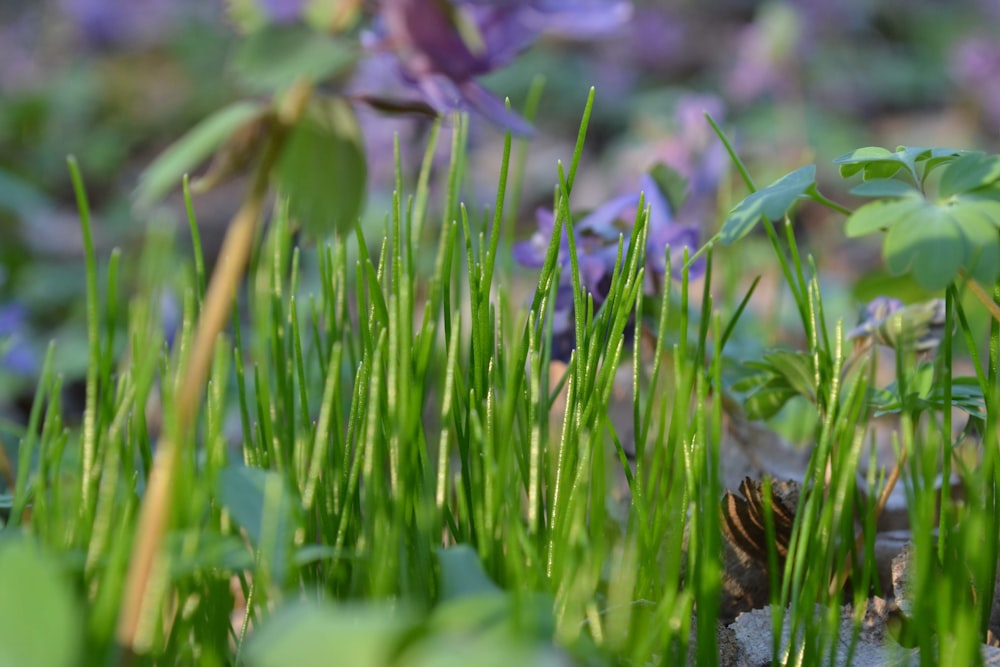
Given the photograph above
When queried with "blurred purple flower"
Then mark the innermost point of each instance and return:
(887, 321)
(441, 47)
(113, 23)
(597, 236)
(766, 55)
(16, 355)
(282, 11)
(974, 63)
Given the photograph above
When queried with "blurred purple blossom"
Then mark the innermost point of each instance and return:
(440, 47)
(282, 11)
(16, 355)
(114, 23)
(766, 57)
(597, 235)
(975, 63)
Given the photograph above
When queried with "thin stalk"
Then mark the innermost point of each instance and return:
(229, 270)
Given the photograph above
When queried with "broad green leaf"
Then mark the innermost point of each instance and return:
(772, 202)
(796, 368)
(672, 184)
(969, 172)
(462, 573)
(276, 56)
(322, 168)
(930, 244)
(40, 624)
(853, 162)
(184, 155)
(309, 634)
(260, 502)
(766, 403)
(211, 552)
(982, 243)
(494, 614)
(876, 162)
(882, 214)
(883, 187)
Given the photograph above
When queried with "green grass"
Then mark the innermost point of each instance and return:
(411, 486)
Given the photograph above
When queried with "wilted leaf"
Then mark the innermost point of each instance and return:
(39, 619)
(276, 56)
(184, 155)
(322, 167)
(772, 202)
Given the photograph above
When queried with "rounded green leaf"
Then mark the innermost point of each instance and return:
(772, 202)
(882, 214)
(969, 172)
(322, 167)
(184, 155)
(39, 619)
(883, 187)
(309, 634)
(929, 243)
(982, 244)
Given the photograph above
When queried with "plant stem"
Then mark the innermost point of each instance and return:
(155, 509)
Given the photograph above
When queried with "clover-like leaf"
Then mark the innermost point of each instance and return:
(184, 155)
(883, 214)
(272, 58)
(930, 243)
(883, 187)
(982, 244)
(875, 162)
(772, 202)
(970, 172)
(322, 167)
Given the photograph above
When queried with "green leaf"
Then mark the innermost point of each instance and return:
(883, 187)
(929, 241)
(855, 161)
(766, 403)
(260, 502)
(878, 163)
(40, 624)
(184, 155)
(772, 202)
(878, 215)
(274, 57)
(982, 244)
(970, 172)
(672, 184)
(796, 368)
(462, 573)
(322, 167)
(309, 634)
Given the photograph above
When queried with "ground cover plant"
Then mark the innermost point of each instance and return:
(399, 437)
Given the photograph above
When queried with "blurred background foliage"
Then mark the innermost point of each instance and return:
(114, 82)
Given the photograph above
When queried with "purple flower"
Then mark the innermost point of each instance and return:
(441, 47)
(282, 11)
(889, 322)
(974, 64)
(16, 356)
(107, 23)
(597, 236)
